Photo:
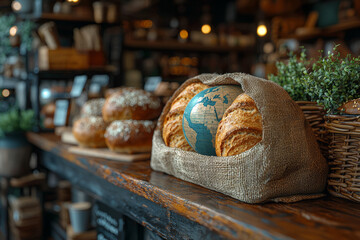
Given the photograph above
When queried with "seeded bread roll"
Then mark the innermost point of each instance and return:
(93, 107)
(172, 127)
(110, 91)
(89, 132)
(240, 128)
(130, 136)
(131, 104)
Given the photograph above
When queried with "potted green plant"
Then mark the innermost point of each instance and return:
(14, 148)
(334, 81)
(290, 76)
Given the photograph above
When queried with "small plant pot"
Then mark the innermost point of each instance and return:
(15, 153)
(314, 114)
(344, 156)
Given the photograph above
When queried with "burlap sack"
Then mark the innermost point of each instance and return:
(285, 166)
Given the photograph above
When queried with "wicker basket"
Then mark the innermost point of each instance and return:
(315, 113)
(344, 156)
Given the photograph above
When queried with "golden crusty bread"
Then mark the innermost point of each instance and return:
(240, 128)
(130, 136)
(89, 132)
(93, 107)
(131, 104)
(172, 127)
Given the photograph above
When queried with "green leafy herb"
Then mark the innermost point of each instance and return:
(16, 120)
(334, 81)
(290, 76)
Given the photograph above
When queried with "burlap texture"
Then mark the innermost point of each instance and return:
(285, 166)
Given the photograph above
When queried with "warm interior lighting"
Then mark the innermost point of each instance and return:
(147, 23)
(206, 29)
(16, 6)
(13, 31)
(184, 34)
(261, 30)
(5, 92)
(73, 1)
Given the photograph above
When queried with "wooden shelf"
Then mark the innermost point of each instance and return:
(66, 17)
(61, 17)
(177, 46)
(330, 31)
(63, 74)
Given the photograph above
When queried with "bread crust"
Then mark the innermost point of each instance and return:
(93, 107)
(240, 128)
(89, 132)
(172, 131)
(130, 136)
(131, 103)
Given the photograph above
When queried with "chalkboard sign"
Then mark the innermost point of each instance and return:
(61, 112)
(78, 85)
(152, 83)
(109, 223)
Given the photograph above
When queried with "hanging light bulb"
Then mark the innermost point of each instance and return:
(6, 93)
(261, 30)
(13, 31)
(16, 6)
(205, 29)
(184, 34)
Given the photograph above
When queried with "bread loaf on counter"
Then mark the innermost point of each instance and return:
(89, 132)
(130, 136)
(131, 103)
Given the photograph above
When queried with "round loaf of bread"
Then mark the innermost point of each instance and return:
(110, 91)
(93, 107)
(48, 110)
(131, 104)
(172, 132)
(240, 128)
(89, 132)
(130, 136)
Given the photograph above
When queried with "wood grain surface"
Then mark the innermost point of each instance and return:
(176, 209)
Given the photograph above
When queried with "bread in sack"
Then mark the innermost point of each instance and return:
(240, 128)
(172, 128)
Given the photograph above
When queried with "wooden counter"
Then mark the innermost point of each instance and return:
(176, 209)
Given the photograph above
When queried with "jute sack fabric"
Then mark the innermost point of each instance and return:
(285, 166)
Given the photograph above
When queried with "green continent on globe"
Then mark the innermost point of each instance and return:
(203, 114)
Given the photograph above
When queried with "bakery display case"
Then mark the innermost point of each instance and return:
(179, 119)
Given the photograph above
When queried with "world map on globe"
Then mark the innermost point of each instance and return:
(203, 114)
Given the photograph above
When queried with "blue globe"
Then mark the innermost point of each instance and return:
(203, 114)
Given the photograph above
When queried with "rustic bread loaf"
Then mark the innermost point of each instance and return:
(240, 128)
(93, 107)
(172, 127)
(131, 104)
(130, 136)
(89, 131)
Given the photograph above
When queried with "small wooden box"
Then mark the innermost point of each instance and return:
(69, 59)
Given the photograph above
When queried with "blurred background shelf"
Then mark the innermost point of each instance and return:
(177, 46)
(69, 74)
(331, 31)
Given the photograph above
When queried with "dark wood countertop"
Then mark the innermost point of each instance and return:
(222, 216)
